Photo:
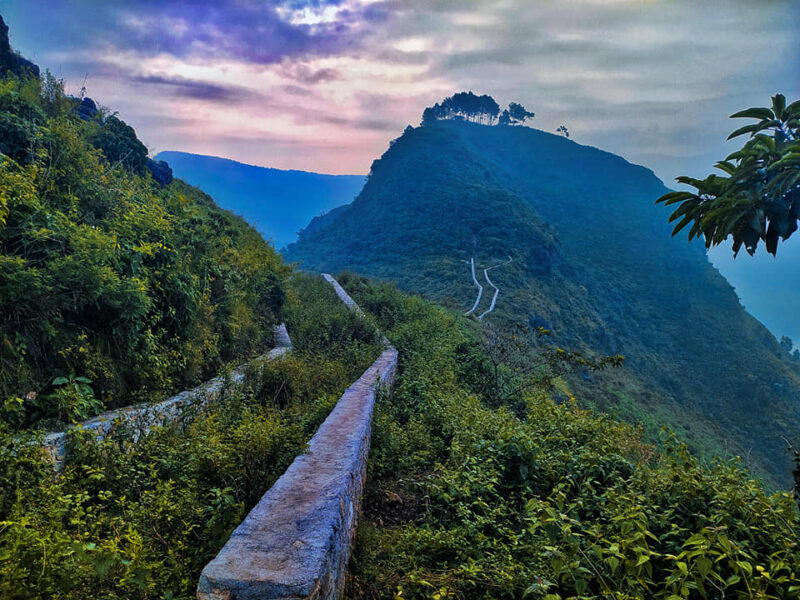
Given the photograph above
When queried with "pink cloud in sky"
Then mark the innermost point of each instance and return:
(325, 85)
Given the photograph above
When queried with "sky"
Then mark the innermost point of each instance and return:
(324, 85)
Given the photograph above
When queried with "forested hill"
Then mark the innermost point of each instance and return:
(117, 283)
(277, 203)
(593, 262)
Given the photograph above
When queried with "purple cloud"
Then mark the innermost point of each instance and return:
(253, 32)
(305, 75)
(191, 88)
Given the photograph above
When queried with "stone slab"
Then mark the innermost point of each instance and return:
(295, 543)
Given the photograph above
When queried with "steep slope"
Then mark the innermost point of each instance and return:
(277, 203)
(593, 262)
(113, 288)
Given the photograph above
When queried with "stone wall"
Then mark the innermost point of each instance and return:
(295, 543)
(140, 418)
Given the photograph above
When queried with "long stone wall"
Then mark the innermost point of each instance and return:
(295, 543)
(140, 418)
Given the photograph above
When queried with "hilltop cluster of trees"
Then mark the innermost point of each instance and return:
(477, 109)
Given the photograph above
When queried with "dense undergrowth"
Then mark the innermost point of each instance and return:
(140, 520)
(113, 289)
(467, 500)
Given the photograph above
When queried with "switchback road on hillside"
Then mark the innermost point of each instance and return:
(496, 289)
(480, 287)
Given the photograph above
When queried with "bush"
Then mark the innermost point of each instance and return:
(468, 500)
(134, 289)
(140, 520)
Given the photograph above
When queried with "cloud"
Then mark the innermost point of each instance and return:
(653, 80)
(306, 75)
(253, 32)
(190, 88)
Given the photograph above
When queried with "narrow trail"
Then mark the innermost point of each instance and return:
(496, 289)
(480, 288)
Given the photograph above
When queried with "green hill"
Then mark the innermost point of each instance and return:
(593, 262)
(113, 287)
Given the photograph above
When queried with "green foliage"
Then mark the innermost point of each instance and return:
(140, 520)
(593, 262)
(758, 197)
(75, 397)
(464, 105)
(467, 500)
(106, 277)
(118, 142)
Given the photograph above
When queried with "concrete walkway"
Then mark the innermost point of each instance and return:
(295, 543)
(496, 289)
(480, 288)
(143, 417)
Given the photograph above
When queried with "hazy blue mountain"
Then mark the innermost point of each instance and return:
(766, 284)
(277, 203)
(593, 261)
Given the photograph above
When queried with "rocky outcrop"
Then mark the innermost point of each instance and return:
(12, 62)
(141, 418)
(160, 170)
(296, 542)
(87, 109)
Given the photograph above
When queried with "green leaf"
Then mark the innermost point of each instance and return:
(753, 113)
(778, 105)
(703, 566)
(60, 381)
(746, 129)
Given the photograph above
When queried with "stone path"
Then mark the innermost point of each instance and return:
(145, 416)
(295, 543)
(496, 289)
(480, 288)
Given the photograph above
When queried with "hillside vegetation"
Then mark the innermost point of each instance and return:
(112, 288)
(139, 520)
(593, 263)
(467, 500)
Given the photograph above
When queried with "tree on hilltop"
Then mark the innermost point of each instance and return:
(518, 113)
(463, 105)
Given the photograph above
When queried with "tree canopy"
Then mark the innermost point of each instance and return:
(477, 109)
(758, 197)
(463, 105)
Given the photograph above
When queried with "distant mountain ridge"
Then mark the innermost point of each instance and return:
(593, 261)
(277, 203)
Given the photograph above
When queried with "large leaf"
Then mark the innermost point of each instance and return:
(753, 113)
(673, 197)
(778, 105)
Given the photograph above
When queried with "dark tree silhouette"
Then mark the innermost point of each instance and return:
(518, 113)
(563, 131)
(463, 105)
